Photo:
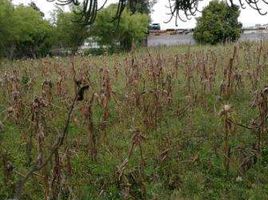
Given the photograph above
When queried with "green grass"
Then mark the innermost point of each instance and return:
(182, 148)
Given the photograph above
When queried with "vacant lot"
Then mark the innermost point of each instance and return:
(167, 123)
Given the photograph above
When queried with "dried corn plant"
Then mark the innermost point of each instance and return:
(226, 113)
(54, 145)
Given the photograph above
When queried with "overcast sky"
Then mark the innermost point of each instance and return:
(248, 16)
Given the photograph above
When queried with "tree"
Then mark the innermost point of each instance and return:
(218, 23)
(69, 32)
(23, 31)
(178, 8)
(108, 32)
(33, 33)
(6, 31)
(35, 7)
(142, 6)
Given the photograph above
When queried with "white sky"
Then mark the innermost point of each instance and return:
(248, 16)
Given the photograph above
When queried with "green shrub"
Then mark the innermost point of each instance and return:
(218, 24)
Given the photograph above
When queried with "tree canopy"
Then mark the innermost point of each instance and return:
(178, 8)
(23, 31)
(132, 28)
(218, 23)
(68, 32)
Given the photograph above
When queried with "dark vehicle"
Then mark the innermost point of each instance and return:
(155, 26)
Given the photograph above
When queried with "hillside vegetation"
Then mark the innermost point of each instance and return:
(166, 123)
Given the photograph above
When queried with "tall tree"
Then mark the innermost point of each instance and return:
(132, 28)
(69, 31)
(34, 33)
(23, 31)
(35, 7)
(142, 6)
(178, 8)
(6, 30)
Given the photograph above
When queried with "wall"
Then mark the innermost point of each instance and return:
(186, 39)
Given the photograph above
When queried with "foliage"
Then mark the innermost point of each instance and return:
(143, 6)
(178, 8)
(166, 123)
(24, 32)
(131, 28)
(34, 33)
(32, 36)
(69, 32)
(6, 31)
(218, 24)
(34, 6)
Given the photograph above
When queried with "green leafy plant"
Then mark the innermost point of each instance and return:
(218, 24)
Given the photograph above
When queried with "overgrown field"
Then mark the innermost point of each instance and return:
(167, 123)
